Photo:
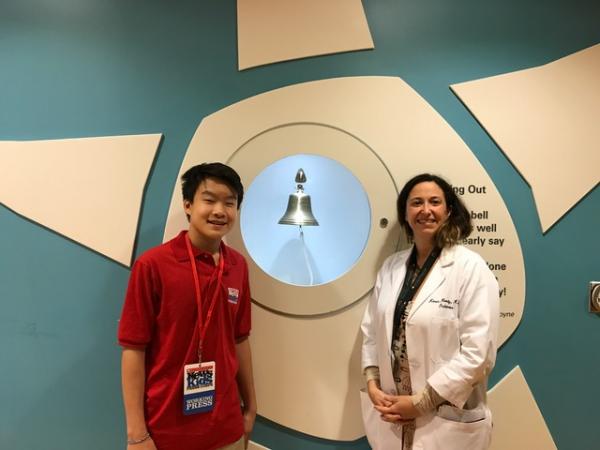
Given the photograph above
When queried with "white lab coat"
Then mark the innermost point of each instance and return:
(451, 338)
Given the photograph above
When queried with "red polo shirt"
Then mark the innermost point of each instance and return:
(160, 316)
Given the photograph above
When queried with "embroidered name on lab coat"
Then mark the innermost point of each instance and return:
(444, 303)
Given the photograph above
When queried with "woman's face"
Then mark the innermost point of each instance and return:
(426, 210)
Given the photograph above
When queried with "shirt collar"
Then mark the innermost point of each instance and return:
(181, 254)
(447, 255)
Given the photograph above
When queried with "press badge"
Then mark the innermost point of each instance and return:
(199, 387)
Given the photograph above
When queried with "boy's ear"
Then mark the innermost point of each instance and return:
(187, 205)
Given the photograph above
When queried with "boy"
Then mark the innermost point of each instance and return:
(183, 377)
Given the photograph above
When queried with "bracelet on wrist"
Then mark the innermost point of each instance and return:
(138, 441)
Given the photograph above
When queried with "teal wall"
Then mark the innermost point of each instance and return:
(80, 68)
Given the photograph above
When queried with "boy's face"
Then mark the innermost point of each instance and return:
(213, 211)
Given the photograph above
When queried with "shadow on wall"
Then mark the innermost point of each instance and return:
(295, 264)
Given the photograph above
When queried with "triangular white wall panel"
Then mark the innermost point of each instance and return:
(270, 31)
(518, 422)
(545, 120)
(89, 190)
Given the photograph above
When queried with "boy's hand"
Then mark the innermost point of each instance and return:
(249, 418)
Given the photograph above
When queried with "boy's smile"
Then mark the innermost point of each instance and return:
(212, 214)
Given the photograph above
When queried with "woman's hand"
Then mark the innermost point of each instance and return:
(399, 408)
(377, 396)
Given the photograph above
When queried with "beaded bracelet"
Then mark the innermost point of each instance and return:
(138, 441)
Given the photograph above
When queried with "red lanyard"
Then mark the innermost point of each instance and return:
(202, 327)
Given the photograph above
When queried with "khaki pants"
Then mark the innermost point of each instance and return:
(237, 445)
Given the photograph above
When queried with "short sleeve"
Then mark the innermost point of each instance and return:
(243, 316)
(138, 315)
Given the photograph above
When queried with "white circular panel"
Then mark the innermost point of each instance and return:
(305, 138)
(311, 254)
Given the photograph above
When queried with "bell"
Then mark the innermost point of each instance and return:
(299, 210)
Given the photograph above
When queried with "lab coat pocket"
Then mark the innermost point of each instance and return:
(381, 435)
(454, 414)
(444, 332)
(460, 429)
(370, 418)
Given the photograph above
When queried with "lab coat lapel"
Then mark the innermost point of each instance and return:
(434, 279)
(398, 272)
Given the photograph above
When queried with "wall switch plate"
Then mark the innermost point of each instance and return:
(594, 302)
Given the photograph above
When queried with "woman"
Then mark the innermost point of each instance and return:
(430, 331)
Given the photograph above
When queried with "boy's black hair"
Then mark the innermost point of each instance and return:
(458, 225)
(195, 175)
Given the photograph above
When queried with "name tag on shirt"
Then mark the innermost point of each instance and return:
(199, 387)
(232, 295)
